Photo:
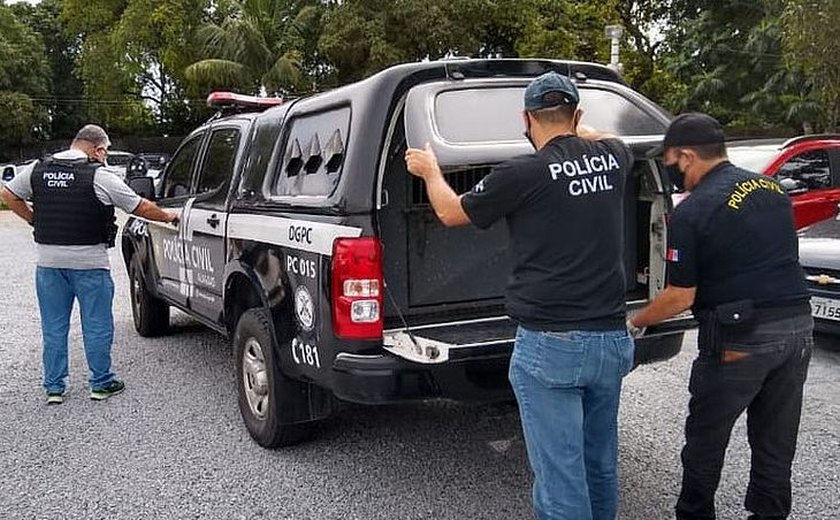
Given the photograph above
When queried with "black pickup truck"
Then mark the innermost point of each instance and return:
(305, 241)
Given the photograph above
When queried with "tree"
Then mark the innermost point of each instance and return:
(260, 46)
(705, 49)
(131, 60)
(24, 81)
(812, 45)
(360, 37)
(16, 128)
(65, 103)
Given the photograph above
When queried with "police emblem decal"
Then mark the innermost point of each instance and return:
(304, 308)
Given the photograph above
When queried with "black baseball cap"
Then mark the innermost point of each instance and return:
(691, 129)
(537, 94)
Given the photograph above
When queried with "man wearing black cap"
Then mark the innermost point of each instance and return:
(563, 207)
(733, 259)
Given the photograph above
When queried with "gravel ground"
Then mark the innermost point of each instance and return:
(173, 445)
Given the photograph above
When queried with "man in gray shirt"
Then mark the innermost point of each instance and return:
(74, 194)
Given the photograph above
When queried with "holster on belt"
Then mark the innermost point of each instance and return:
(723, 320)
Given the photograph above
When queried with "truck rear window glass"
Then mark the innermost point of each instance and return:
(485, 115)
(313, 153)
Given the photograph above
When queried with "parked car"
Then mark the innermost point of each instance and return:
(304, 240)
(146, 164)
(807, 167)
(118, 161)
(7, 173)
(155, 163)
(819, 254)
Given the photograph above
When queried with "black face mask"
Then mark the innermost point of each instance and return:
(676, 177)
(527, 134)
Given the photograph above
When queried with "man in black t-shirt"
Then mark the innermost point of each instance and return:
(733, 258)
(564, 209)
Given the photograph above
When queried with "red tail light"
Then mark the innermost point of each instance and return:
(357, 288)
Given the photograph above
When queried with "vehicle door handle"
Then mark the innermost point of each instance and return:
(213, 220)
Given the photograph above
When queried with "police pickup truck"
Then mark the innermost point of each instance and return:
(304, 240)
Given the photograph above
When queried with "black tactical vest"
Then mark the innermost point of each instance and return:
(67, 211)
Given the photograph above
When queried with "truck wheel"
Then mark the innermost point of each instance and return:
(151, 315)
(264, 391)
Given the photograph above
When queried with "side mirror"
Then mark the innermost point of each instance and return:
(143, 186)
(793, 186)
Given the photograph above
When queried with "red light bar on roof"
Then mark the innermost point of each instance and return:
(230, 99)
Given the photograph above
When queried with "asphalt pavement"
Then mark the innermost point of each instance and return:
(173, 445)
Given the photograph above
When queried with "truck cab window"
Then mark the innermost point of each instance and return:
(219, 161)
(179, 172)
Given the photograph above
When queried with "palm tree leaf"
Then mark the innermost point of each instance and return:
(284, 74)
(216, 72)
(213, 39)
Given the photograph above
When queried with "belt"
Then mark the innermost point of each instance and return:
(768, 314)
(762, 314)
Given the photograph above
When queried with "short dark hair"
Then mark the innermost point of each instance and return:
(556, 114)
(708, 151)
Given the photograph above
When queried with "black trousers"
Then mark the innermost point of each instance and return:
(762, 371)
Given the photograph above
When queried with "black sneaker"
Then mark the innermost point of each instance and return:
(55, 397)
(110, 389)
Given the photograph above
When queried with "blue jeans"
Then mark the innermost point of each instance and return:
(57, 289)
(568, 385)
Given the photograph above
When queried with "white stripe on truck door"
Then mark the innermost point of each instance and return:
(304, 235)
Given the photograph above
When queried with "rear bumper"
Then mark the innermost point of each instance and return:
(824, 325)
(469, 374)
(386, 378)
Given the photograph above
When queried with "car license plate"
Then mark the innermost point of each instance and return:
(825, 308)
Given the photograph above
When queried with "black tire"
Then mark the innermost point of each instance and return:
(151, 315)
(264, 391)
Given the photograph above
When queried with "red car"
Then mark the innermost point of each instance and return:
(807, 167)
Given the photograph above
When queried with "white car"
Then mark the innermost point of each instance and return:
(8, 173)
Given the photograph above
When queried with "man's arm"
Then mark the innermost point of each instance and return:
(17, 205)
(151, 211)
(670, 302)
(589, 133)
(445, 202)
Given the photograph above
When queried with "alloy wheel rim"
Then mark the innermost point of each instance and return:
(255, 378)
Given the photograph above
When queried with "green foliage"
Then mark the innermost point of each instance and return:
(811, 39)
(64, 103)
(131, 60)
(21, 117)
(24, 81)
(260, 46)
(144, 66)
